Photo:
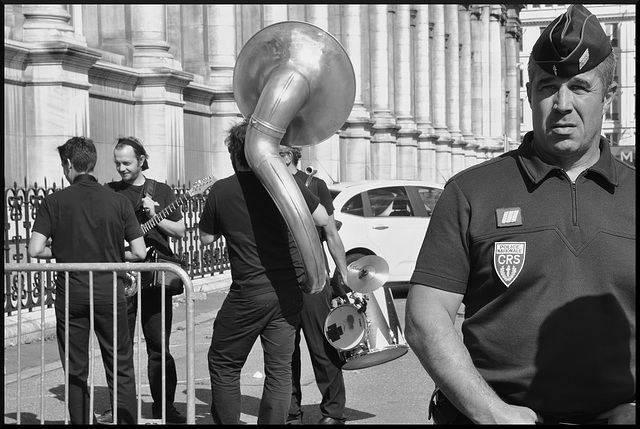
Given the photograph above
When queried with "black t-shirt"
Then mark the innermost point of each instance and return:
(87, 223)
(319, 188)
(262, 251)
(164, 196)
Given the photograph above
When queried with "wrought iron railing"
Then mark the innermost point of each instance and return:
(20, 208)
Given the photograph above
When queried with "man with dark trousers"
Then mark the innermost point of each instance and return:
(265, 299)
(88, 223)
(131, 159)
(325, 359)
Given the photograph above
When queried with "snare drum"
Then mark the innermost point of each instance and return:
(383, 340)
(345, 327)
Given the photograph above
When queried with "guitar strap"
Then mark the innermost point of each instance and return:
(149, 189)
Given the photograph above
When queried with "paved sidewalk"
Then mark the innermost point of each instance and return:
(32, 322)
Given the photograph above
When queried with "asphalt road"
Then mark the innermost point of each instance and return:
(393, 392)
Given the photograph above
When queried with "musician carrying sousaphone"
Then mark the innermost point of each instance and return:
(293, 82)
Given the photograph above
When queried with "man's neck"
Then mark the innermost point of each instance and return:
(138, 181)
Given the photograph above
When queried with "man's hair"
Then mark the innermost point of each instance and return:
(81, 152)
(137, 147)
(235, 142)
(296, 154)
(605, 70)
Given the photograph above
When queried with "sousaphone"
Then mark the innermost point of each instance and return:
(296, 84)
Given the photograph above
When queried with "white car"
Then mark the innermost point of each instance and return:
(387, 218)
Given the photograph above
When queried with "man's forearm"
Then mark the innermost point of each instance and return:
(439, 346)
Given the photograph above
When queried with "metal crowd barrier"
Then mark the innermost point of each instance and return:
(19, 270)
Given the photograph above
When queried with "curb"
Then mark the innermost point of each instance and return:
(32, 325)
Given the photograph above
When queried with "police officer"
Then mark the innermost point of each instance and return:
(539, 244)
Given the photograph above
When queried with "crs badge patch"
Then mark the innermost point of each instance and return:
(508, 260)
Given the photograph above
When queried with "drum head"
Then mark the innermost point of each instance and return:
(376, 357)
(344, 327)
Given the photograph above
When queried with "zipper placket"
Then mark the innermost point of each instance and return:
(574, 203)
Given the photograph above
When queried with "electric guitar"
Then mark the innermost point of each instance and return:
(131, 285)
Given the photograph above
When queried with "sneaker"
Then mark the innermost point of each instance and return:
(106, 418)
(173, 415)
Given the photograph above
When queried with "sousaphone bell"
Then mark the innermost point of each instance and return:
(296, 84)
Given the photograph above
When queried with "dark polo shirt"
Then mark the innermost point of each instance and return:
(547, 269)
(87, 223)
(263, 255)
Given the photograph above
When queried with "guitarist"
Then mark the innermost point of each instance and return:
(131, 159)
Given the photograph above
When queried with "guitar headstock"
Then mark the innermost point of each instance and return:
(201, 185)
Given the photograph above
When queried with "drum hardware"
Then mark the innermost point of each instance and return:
(365, 329)
(367, 274)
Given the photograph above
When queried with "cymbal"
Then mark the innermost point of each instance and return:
(367, 274)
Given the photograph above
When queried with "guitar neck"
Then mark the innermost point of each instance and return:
(159, 217)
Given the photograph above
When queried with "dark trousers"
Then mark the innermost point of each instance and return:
(151, 323)
(79, 357)
(240, 321)
(325, 359)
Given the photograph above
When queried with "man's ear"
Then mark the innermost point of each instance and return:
(69, 164)
(529, 93)
(608, 97)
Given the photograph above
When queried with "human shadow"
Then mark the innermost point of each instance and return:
(583, 357)
(251, 405)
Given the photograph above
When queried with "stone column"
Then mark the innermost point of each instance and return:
(194, 39)
(222, 45)
(486, 78)
(452, 70)
(159, 121)
(47, 23)
(426, 139)
(149, 37)
(272, 13)
(114, 26)
(513, 37)
(438, 92)
(159, 115)
(452, 67)
(383, 140)
(407, 145)
(221, 37)
(464, 31)
(496, 90)
(477, 102)
(355, 137)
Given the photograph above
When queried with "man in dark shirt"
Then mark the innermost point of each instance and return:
(325, 359)
(265, 299)
(88, 223)
(131, 159)
(539, 245)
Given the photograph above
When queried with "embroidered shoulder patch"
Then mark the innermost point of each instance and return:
(511, 216)
(508, 260)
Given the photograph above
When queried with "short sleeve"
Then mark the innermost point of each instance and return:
(443, 260)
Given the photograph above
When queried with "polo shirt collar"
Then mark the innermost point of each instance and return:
(537, 170)
(86, 177)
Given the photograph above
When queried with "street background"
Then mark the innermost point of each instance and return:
(393, 392)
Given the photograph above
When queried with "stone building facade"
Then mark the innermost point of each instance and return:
(438, 87)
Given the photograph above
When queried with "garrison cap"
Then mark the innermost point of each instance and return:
(573, 43)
